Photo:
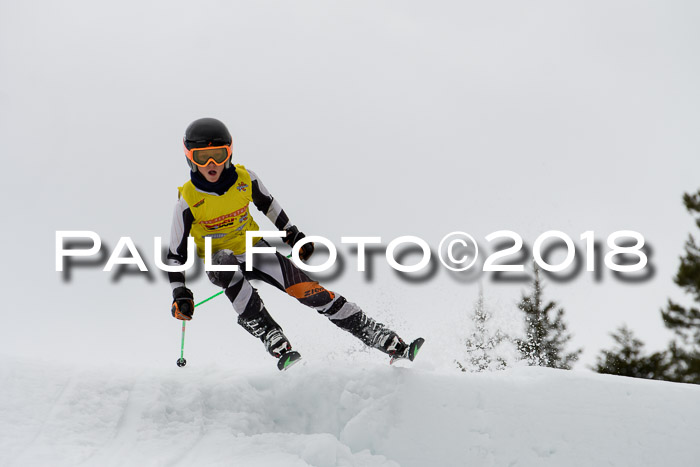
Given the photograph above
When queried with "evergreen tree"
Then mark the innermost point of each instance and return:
(486, 346)
(627, 358)
(685, 322)
(546, 335)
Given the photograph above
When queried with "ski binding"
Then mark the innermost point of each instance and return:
(411, 352)
(288, 359)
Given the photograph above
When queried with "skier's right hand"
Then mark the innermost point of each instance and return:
(183, 304)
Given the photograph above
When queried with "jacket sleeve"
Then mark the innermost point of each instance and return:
(179, 231)
(268, 205)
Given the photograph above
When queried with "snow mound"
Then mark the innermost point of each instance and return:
(320, 415)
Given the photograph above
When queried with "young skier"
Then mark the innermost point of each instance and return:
(215, 203)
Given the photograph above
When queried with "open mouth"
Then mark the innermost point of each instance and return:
(212, 173)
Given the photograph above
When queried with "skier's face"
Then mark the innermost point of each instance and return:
(211, 172)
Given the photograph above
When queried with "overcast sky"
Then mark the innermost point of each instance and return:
(371, 118)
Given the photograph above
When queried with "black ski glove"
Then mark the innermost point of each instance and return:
(293, 236)
(183, 304)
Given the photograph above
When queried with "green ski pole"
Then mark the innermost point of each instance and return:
(181, 361)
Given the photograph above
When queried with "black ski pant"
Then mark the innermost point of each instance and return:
(280, 272)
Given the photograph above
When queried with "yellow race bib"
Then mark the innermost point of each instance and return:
(225, 219)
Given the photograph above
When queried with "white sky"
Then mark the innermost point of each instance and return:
(362, 118)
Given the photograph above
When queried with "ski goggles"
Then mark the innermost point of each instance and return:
(202, 156)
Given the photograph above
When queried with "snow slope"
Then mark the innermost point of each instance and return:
(322, 415)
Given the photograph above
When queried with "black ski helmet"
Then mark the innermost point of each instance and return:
(206, 132)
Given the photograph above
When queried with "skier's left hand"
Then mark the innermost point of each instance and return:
(293, 236)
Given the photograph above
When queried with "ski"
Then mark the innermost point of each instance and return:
(288, 359)
(411, 352)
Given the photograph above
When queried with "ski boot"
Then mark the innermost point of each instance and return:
(279, 347)
(270, 334)
(376, 335)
